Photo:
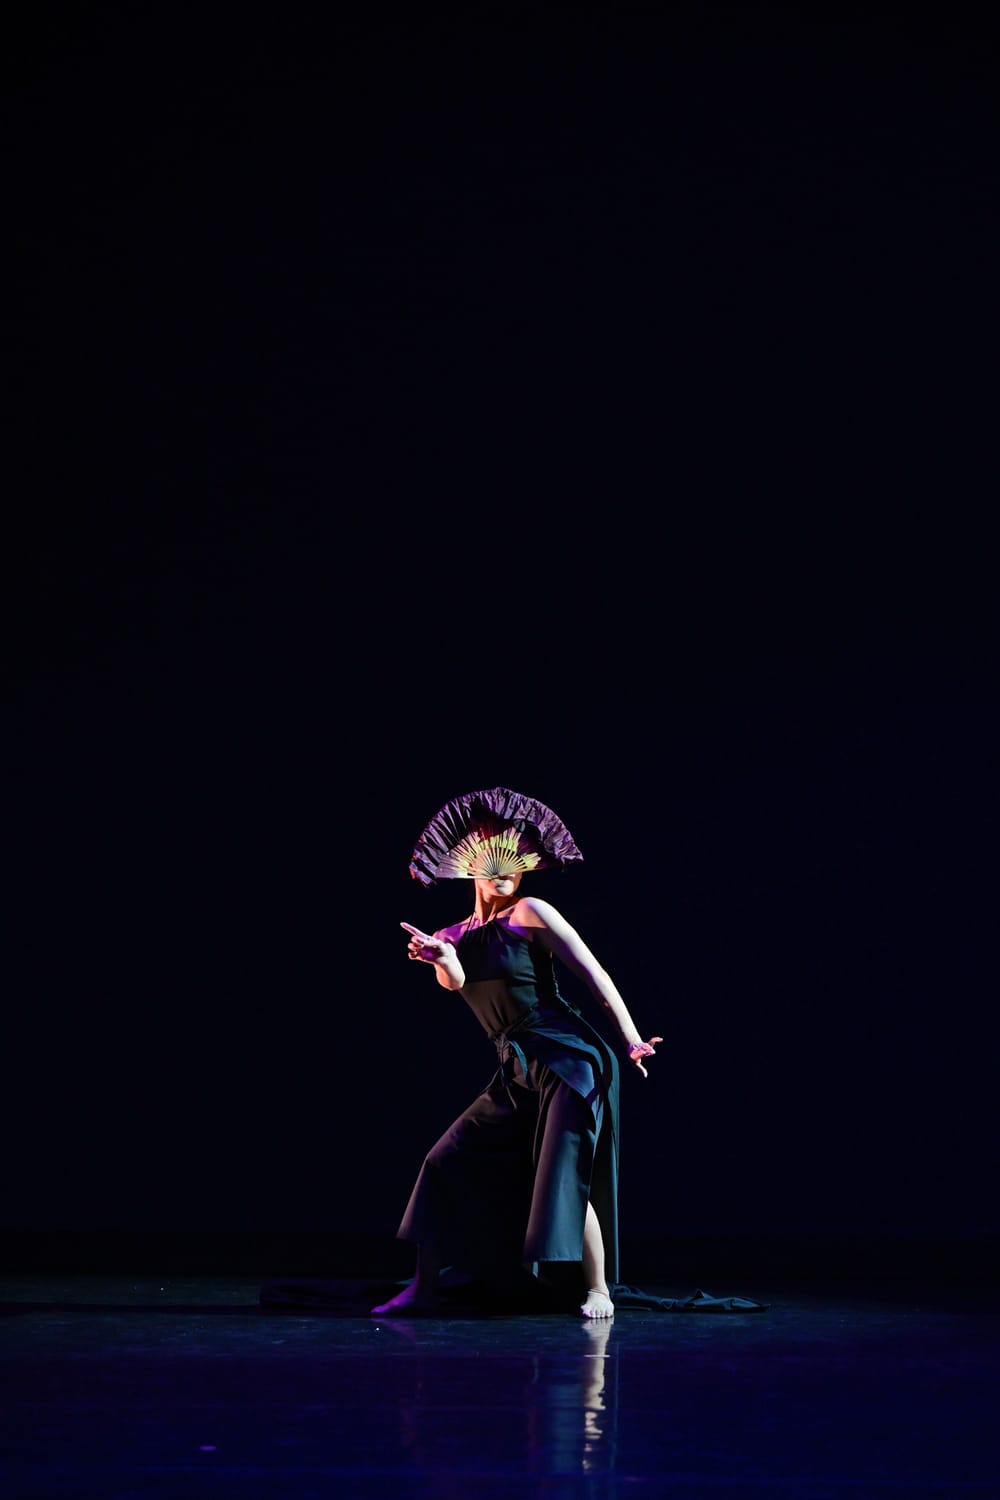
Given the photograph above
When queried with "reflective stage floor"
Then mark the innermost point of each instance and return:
(118, 1386)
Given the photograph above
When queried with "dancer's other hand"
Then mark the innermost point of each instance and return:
(638, 1050)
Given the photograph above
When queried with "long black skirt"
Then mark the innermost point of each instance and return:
(508, 1183)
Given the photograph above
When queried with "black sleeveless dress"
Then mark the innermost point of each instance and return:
(509, 1181)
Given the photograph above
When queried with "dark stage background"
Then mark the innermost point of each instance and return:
(596, 400)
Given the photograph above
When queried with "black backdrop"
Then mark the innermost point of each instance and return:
(597, 400)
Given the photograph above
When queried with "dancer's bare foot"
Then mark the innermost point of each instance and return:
(598, 1304)
(410, 1302)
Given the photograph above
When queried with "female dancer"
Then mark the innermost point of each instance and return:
(528, 1174)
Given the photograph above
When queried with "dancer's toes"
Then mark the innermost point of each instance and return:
(597, 1305)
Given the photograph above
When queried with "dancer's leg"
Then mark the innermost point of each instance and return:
(421, 1294)
(598, 1302)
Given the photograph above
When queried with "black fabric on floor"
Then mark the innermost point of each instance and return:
(529, 1295)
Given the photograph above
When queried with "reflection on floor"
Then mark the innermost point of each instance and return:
(187, 1386)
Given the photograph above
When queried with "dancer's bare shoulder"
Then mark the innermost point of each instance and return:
(532, 911)
(534, 917)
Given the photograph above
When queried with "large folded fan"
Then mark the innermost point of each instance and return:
(491, 833)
